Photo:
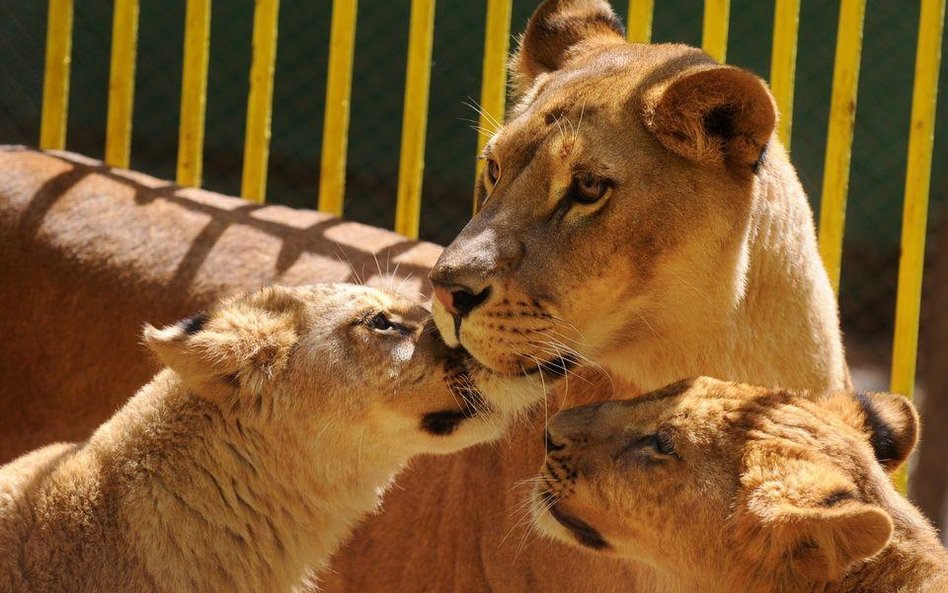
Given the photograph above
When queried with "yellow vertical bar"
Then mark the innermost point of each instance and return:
(915, 208)
(260, 101)
(332, 174)
(493, 74)
(640, 21)
(118, 130)
(197, 31)
(56, 78)
(714, 28)
(411, 164)
(840, 136)
(783, 63)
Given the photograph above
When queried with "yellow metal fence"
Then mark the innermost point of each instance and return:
(493, 87)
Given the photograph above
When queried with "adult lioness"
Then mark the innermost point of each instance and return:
(721, 487)
(637, 210)
(281, 416)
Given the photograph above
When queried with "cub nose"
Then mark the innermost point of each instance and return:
(459, 300)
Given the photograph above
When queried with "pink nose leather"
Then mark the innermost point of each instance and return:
(447, 300)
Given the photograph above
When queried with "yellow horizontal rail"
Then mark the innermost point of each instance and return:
(56, 77)
(411, 164)
(639, 29)
(839, 140)
(714, 28)
(118, 130)
(915, 207)
(253, 185)
(493, 76)
(783, 63)
(197, 32)
(332, 175)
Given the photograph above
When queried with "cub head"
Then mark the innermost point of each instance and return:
(615, 201)
(365, 363)
(714, 482)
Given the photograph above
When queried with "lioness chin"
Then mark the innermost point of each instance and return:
(281, 416)
(720, 487)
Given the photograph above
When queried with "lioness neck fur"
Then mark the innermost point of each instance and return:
(718, 487)
(283, 415)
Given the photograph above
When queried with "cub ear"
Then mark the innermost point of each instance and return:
(722, 115)
(891, 423)
(243, 342)
(806, 517)
(827, 542)
(558, 30)
(174, 346)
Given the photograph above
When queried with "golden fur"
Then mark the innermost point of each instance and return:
(721, 487)
(282, 416)
(74, 231)
(699, 255)
(750, 304)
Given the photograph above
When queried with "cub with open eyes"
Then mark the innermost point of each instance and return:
(722, 487)
(282, 415)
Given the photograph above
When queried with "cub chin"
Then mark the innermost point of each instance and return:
(721, 487)
(281, 417)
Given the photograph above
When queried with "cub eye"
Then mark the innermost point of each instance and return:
(663, 444)
(588, 188)
(493, 171)
(382, 324)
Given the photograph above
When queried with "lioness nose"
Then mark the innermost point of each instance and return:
(459, 300)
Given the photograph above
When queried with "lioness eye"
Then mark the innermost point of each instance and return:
(493, 170)
(587, 188)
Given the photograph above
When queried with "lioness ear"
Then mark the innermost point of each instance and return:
(244, 341)
(722, 115)
(558, 30)
(807, 518)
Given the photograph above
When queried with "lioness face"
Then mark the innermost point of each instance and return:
(710, 477)
(614, 203)
(344, 358)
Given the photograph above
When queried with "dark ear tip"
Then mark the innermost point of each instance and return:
(892, 424)
(193, 324)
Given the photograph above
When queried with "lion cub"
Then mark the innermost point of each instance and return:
(282, 416)
(723, 487)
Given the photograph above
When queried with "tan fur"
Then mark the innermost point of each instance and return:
(720, 487)
(282, 416)
(96, 245)
(86, 245)
(700, 258)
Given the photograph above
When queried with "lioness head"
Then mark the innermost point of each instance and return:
(615, 201)
(728, 481)
(344, 358)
